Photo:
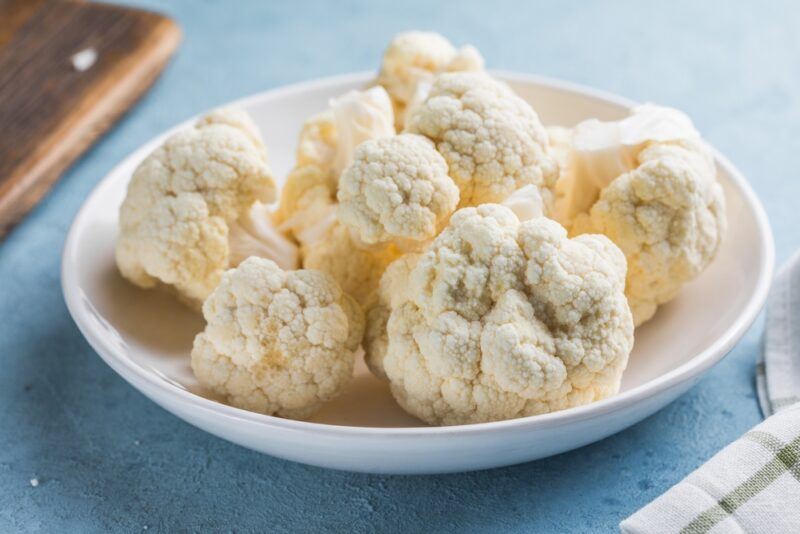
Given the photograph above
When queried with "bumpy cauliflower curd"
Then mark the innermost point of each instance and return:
(280, 343)
(648, 182)
(411, 61)
(499, 319)
(396, 190)
(196, 206)
(491, 139)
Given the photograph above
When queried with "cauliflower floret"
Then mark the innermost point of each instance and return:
(397, 189)
(276, 342)
(492, 140)
(647, 182)
(499, 319)
(193, 208)
(412, 59)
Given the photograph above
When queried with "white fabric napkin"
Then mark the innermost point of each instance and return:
(753, 484)
(778, 369)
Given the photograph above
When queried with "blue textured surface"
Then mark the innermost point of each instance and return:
(108, 458)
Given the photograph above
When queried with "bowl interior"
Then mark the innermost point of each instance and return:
(153, 331)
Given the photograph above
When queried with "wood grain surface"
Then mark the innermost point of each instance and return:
(51, 111)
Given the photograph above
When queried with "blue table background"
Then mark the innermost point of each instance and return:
(108, 458)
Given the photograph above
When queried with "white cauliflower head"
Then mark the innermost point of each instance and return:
(649, 183)
(594, 153)
(499, 319)
(397, 189)
(276, 342)
(492, 140)
(412, 59)
(192, 203)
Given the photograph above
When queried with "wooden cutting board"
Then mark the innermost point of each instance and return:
(68, 70)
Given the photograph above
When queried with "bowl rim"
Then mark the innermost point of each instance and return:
(154, 385)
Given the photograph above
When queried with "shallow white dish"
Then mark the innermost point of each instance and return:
(146, 336)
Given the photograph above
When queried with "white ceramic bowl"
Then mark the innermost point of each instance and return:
(146, 336)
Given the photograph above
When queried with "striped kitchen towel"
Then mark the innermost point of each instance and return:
(778, 368)
(752, 485)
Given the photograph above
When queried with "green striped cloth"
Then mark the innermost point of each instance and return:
(752, 485)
